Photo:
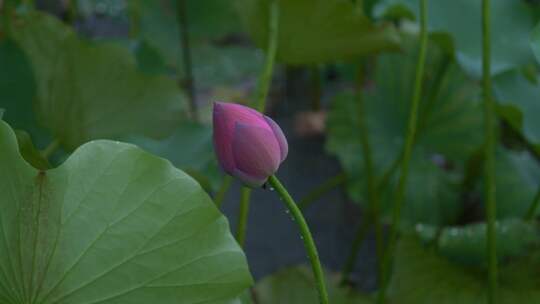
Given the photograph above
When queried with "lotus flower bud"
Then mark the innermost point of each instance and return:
(249, 145)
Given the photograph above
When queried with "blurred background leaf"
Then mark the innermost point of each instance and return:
(515, 91)
(517, 182)
(18, 90)
(189, 148)
(83, 87)
(29, 152)
(156, 22)
(421, 276)
(466, 244)
(510, 43)
(450, 111)
(222, 56)
(318, 31)
(294, 285)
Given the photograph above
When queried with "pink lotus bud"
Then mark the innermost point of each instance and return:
(249, 145)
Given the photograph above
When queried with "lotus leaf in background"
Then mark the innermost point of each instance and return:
(449, 111)
(444, 282)
(17, 91)
(113, 224)
(294, 285)
(156, 22)
(512, 27)
(517, 182)
(520, 107)
(220, 54)
(90, 90)
(318, 31)
(466, 245)
(189, 148)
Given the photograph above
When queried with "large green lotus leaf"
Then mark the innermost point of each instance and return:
(444, 282)
(189, 148)
(517, 181)
(113, 224)
(87, 91)
(517, 94)
(512, 22)
(296, 285)
(316, 31)
(451, 114)
(467, 244)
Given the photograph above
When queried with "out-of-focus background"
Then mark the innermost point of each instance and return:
(147, 72)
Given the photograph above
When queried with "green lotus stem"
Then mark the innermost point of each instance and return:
(309, 244)
(265, 78)
(243, 216)
(360, 235)
(185, 57)
(371, 183)
(373, 205)
(320, 190)
(407, 152)
(50, 149)
(220, 194)
(534, 206)
(489, 156)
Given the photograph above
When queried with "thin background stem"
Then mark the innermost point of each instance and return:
(309, 244)
(265, 78)
(438, 82)
(373, 205)
(360, 235)
(489, 156)
(225, 185)
(373, 200)
(407, 152)
(185, 57)
(243, 216)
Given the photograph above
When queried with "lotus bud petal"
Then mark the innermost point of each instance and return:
(249, 145)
